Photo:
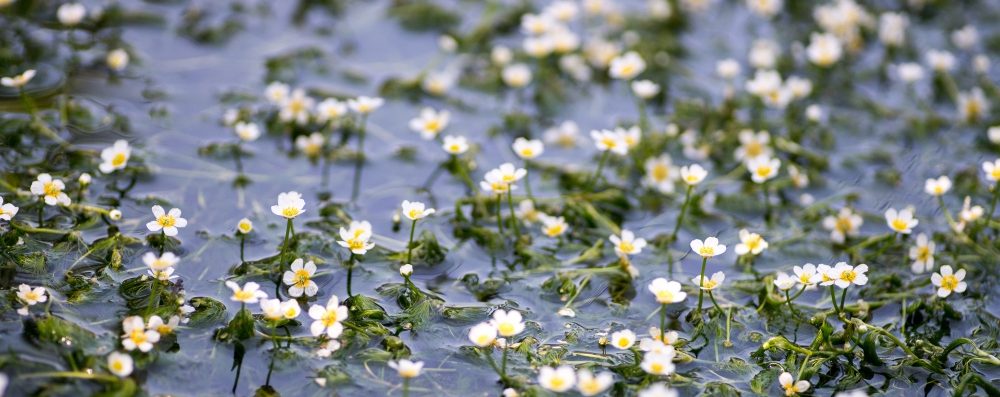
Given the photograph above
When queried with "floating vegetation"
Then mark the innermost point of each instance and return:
(499, 198)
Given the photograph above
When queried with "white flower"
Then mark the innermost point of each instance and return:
(31, 296)
(666, 291)
(299, 279)
(763, 169)
(18, 81)
(600, 52)
(790, 386)
(892, 28)
(526, 212)
(510, 173)
(166, 274)
(590, 385)
(136, 335)
(993, 134)
(799, 87)
(845, 224)
(244, 226)
(538, 47)
(553, 226)
(660, 174)
(709, 284)
(290, 205)
(607, 140)
(501, 55)
(765, 8)
(627, 66)
(455, 144)
(328, 318)
(708, 248)
(627, 243)
(847, 274)
(941, 61)
(356, 237)
(972, 105)
(483, 334)
(438, 83)
(764, 54)
(516, 75)
(814, 113)
(495, 182)
(557, 379)
(768, 86)
(645, 89)
(658, 390)
(565, 134)
(562, 10)
(658, 363)
(970, 213)
(247, 132)
(415, 210)
(230, 117)
(406, 270)
(623, 339)
(827, 276)
(447, 43)
(70, 14)
(536, 24)
(296, 107)
(276, 92)
(784, 282)
(631, 136)
(249, 293)
(900, 221)
(751, 243)
(948, 282)
(406, 368)
(981, 64)
(115, 157)
(922, 254)
(528, 149)
(693, 174)
(727, 68)
(117, 59)
(365, 105)
(327, 348)
(330, 109)
(507, 323)
(430, 122)
(965, 38)
(753, 145)
(115, 214)
(938, 186)
(169, 222)
(50, 190)
(84, 179)
(807, 274)
(157, 324)
(8, 210)
(120, 364)
(992, 170)
(910, 72)
(162, 262)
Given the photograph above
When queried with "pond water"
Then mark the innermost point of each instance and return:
(876, 142)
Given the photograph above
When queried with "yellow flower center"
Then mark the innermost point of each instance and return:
(289, 212)
(949, 282)
(804, 278)
(301, 278)
(708, 283)
(557, 382)
(527, 152)
(623, 342)
(554, 230)
(753, 148)
(499, 187)
(117, 366)
(660, 172)
(119, 159)
(627, 70)
(138, 336)
(296, 106)
(848, 275)
(764, 171)
(51, 189)
(454, 147)
(166, 221)
(356, 244)
(626, 247)
(330, 318)
(482, 339)
(899, 224)
(506, 329)
(432, 125)
(665, 296)
(590, 386)
(656, 368)
(414, 214)
(609, 142)
(164, 329)
(242, 295)
(31, 296)
(706, 251)
(923, 253)
(844, 224)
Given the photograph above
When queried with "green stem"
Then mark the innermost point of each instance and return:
(701, 283)
(527, 180)
(663, 321)
(600, 167)
(406, 387)
(680, 218)
(350, 273)
(993, 204)
(243, 243)
(499, 220)
(409, 246)
(153, 292)
(503, 361)
(833, 301)
(513, 216)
